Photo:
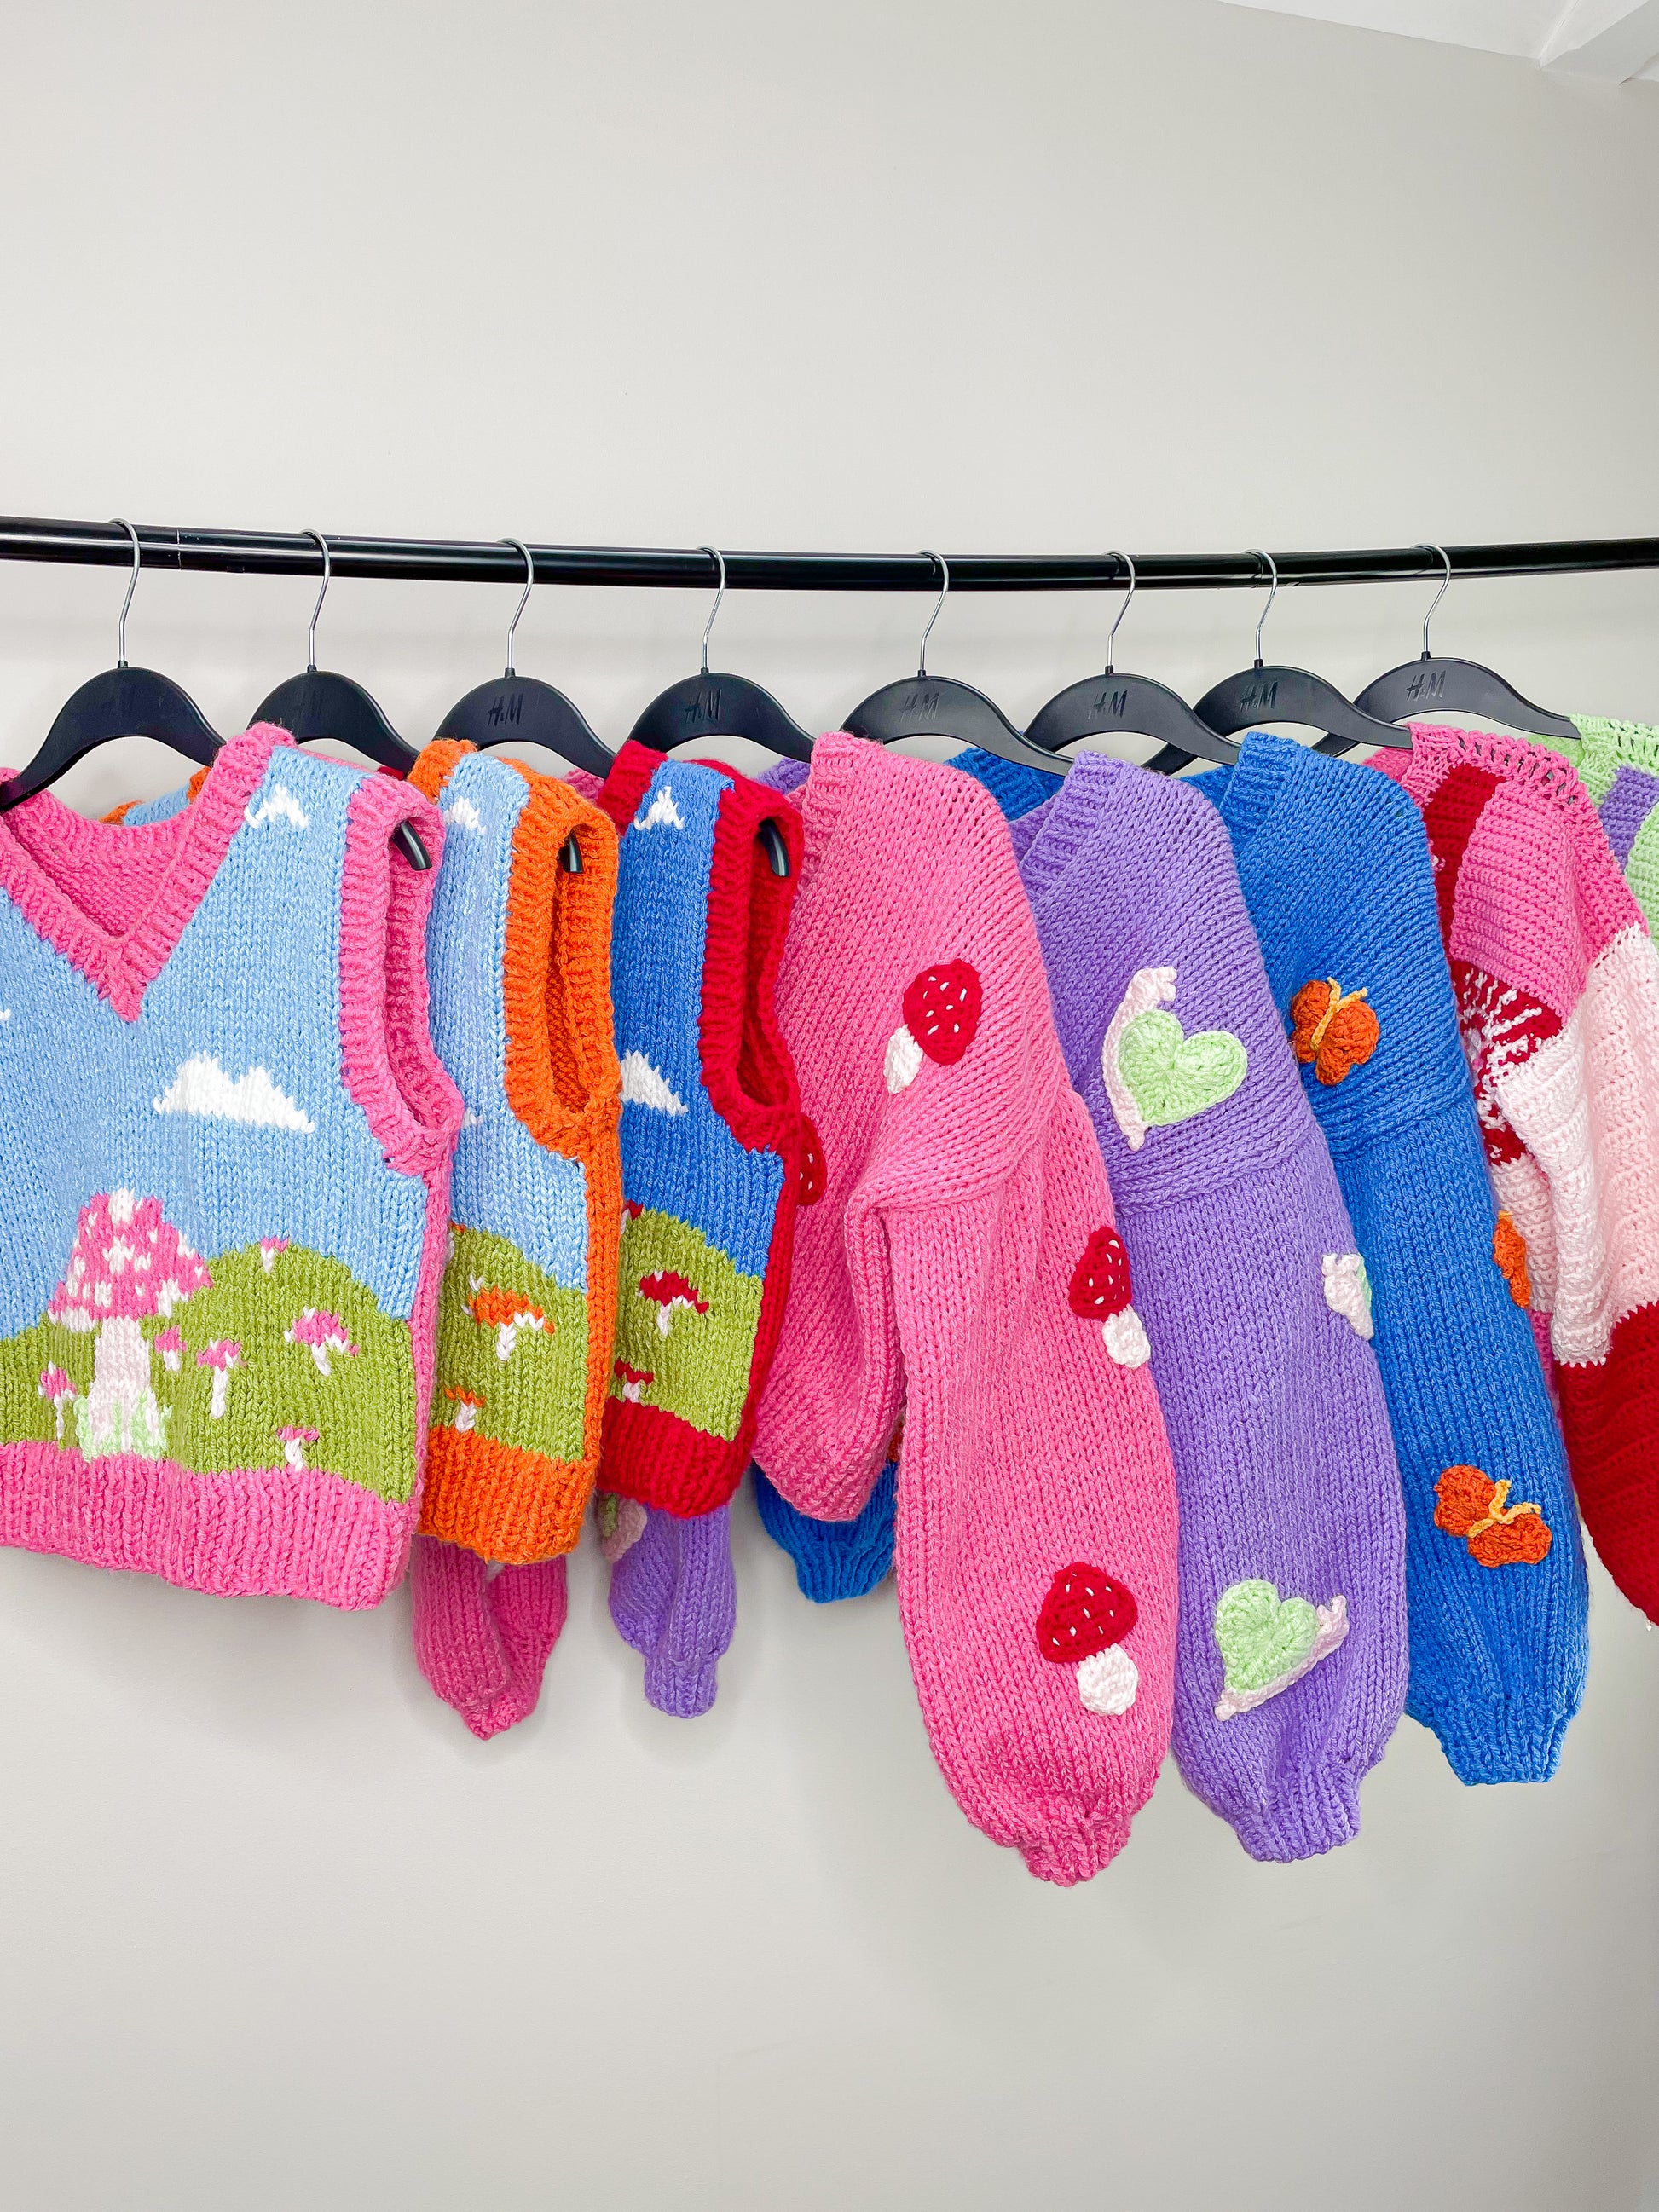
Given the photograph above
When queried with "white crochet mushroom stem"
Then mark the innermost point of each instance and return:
(1148, 987)
(903, 1062)
(1108, 1681)
(1126, 1338)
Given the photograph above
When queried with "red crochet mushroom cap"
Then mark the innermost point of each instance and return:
(1100, 1281)
(1084, 1612)
(941, 1010)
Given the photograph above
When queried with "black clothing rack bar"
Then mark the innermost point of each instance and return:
(291, 553)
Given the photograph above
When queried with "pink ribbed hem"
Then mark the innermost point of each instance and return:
(260, 1532)
(1069, 1856)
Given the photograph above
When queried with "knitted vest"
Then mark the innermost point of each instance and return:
(227, 1143)
(1336, 873)
(1290, 1667)
(518, 952)
(1558, 992)
(710, 1125)
(958, 1188)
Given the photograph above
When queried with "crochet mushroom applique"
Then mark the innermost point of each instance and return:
(941, 1009)
(1100, 1291)
(1084, 1620)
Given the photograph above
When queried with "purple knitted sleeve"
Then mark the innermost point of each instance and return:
(1290, 1666)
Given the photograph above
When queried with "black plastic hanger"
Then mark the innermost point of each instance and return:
(317, 703)
(1275, 693)
(1429, 684)
(122, 702)
(1108, 702)
(924, 705)
(523, 710)
(717, 705)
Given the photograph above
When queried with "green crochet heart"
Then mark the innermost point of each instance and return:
(1171, 1076)
(1262, 1635)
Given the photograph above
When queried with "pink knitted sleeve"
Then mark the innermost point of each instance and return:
(1028, 1454)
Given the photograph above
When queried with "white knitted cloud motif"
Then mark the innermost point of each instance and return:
(662, 813)
(201, 1086)
(278, 804)
(462, 814)
(645, 1085)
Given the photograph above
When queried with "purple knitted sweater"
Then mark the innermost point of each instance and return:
(1291, 1661)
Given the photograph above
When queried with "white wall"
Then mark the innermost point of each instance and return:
(274, 1929)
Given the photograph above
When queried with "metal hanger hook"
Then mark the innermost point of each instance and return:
(328, 573)
(716, 556)
(1445, 586)
(133, 585)
(1272, 568)
(529, 559)
(944, 594)
(1111, 642)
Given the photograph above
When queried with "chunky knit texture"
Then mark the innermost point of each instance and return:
(834, 1559)
(1618, 764)
(1336, 874)
(962, 1186)
(1243, 1269)
(1558, 991)
(674, 1598)
(518, 959)
(710, 1127)
(228, 1140)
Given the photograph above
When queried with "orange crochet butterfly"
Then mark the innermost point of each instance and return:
(1509, 1250)
(1337, 1031)
(1470, 1504)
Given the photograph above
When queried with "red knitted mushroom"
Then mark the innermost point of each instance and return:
(1085, 1618)
(1100, 1291)
(941, 1009)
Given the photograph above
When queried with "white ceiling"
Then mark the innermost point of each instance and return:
(1613, 39)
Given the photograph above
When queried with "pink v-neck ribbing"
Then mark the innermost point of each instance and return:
(114, 901)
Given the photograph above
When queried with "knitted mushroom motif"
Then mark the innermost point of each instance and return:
(1100, 1290)
(941, 1010)
(170, 1345)
(221, 1355)
(509, 1313)
(668, 1290)
(269, 1248)
(1084, 1620)
(55, 1387)
(467, 1407)
(633, 1381)
(128, 1263)
(322, 1333)
(293, 1442)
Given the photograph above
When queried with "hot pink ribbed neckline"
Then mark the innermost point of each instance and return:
(188, 851)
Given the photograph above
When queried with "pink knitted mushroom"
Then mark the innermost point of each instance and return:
(128, 1263)
(322, 1333)
(293, 1442)
(221, 1355)
(55, 1387)
(269, 1248)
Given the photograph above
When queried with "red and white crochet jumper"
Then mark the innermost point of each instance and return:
(950, 1248)
(1558, 993)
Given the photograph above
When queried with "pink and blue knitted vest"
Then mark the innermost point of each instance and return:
(227, 1143)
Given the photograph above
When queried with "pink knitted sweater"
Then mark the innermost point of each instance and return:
(1558, 993)
(954, 1256)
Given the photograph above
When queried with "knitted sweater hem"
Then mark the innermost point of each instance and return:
(1069, 1855)
(506, 1504)
(257, 1532)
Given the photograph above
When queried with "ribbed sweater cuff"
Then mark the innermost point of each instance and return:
(1315, 1808)
(1509, 1739)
